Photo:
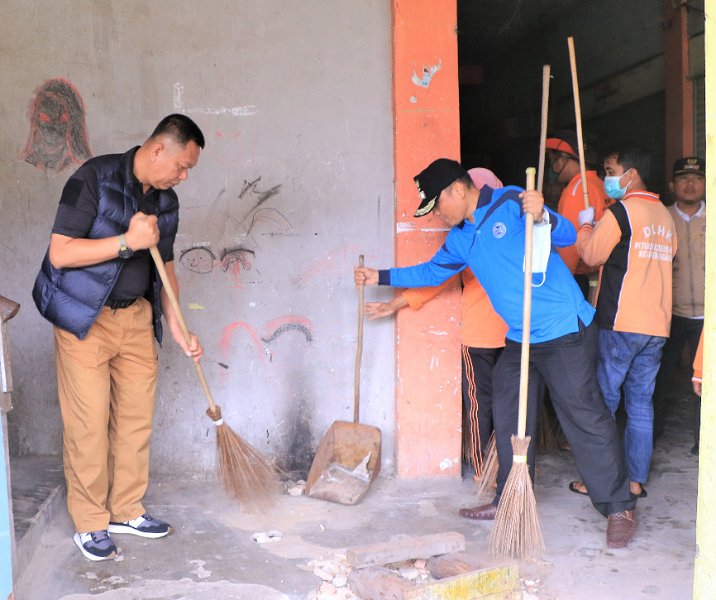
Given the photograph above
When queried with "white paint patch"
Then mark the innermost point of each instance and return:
(428, 74)
(446, 464)
(434, 362)
(409, 227)
(427, 508)
(413, 99)
(199, 570)
(433, 332)
(234, 111)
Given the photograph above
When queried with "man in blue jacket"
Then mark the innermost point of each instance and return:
(488, 235)
(99, 288)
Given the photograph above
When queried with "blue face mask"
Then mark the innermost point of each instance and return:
(612, 187)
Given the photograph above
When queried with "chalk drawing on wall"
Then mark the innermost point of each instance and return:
(201, 260)
(279, 326)
(269, 221)
(233, 111)
(235, 259)
(58, 133)
(275, 329)
(198, 260)
(250, 186)
(334, 261)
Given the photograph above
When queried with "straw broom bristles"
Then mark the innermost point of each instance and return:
(517, 532)
(488, 481)
(244, 472)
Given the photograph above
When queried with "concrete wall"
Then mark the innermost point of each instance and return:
(296, 180)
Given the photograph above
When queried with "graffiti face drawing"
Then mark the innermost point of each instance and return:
(58, 134)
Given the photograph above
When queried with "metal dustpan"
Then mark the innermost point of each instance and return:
(348, 457)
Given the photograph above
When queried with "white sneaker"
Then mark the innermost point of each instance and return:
(96, 545)
(144, 526)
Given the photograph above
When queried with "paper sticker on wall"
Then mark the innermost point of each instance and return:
(428, 74)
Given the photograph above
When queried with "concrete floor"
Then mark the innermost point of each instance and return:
(211, 554)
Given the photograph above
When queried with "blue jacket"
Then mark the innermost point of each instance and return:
(72, 298)
(493, 247)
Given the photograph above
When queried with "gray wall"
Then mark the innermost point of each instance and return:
(294, 98)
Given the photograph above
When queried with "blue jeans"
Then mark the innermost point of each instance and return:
(631, 360)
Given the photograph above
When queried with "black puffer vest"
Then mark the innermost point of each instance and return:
(72, 298)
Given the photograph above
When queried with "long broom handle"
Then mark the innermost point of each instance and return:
(526, 314)
(578, 118)
(159, 263)
(359, 350)
(543, 127)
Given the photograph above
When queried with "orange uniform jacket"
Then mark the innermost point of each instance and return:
(699, 360)
(571, 201)
(636, 243)
(482, 327)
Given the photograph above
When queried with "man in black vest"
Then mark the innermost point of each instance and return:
(99, 288)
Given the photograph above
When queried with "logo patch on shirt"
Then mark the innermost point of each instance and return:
(499, 230)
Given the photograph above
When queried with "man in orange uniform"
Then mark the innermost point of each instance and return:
(483, 338)
(564, 162)
(635, 242)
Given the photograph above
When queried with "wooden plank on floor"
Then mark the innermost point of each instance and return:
(404, 548)
(378, 583)
(454, 563)
(499, 583)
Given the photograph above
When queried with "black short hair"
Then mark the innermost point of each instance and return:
(633, 158)
(466, 180)
(181, 128)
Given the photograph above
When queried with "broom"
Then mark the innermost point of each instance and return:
(491, 464)
(517, 531)
(593, 277)
(244, 472)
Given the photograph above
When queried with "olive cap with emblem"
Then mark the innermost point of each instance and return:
(689, 164)
(432, 180)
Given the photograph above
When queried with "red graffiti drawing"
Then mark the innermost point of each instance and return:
(58, 134)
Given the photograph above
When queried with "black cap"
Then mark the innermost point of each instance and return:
(689, 164)
(431, 181)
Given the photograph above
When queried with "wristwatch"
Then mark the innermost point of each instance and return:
(124, 250)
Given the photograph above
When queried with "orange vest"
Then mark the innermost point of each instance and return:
(635, 242)
(482, 327)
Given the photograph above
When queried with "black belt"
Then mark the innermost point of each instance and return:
(115, 303)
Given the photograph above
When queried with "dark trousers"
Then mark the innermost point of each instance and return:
(684, 331)
(568, 367)
(477, 367)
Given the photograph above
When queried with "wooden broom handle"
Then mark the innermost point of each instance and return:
(578, 118)
(359, 350)
(159, 263)
(543, 127)
(526, 314)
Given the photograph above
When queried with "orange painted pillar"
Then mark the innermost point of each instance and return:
(679, 89)
(426, 127)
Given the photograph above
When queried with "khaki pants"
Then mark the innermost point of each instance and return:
(106, 386)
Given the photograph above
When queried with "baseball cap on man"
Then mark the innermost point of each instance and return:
(563, 141)
(432, 180)
(689, 164)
